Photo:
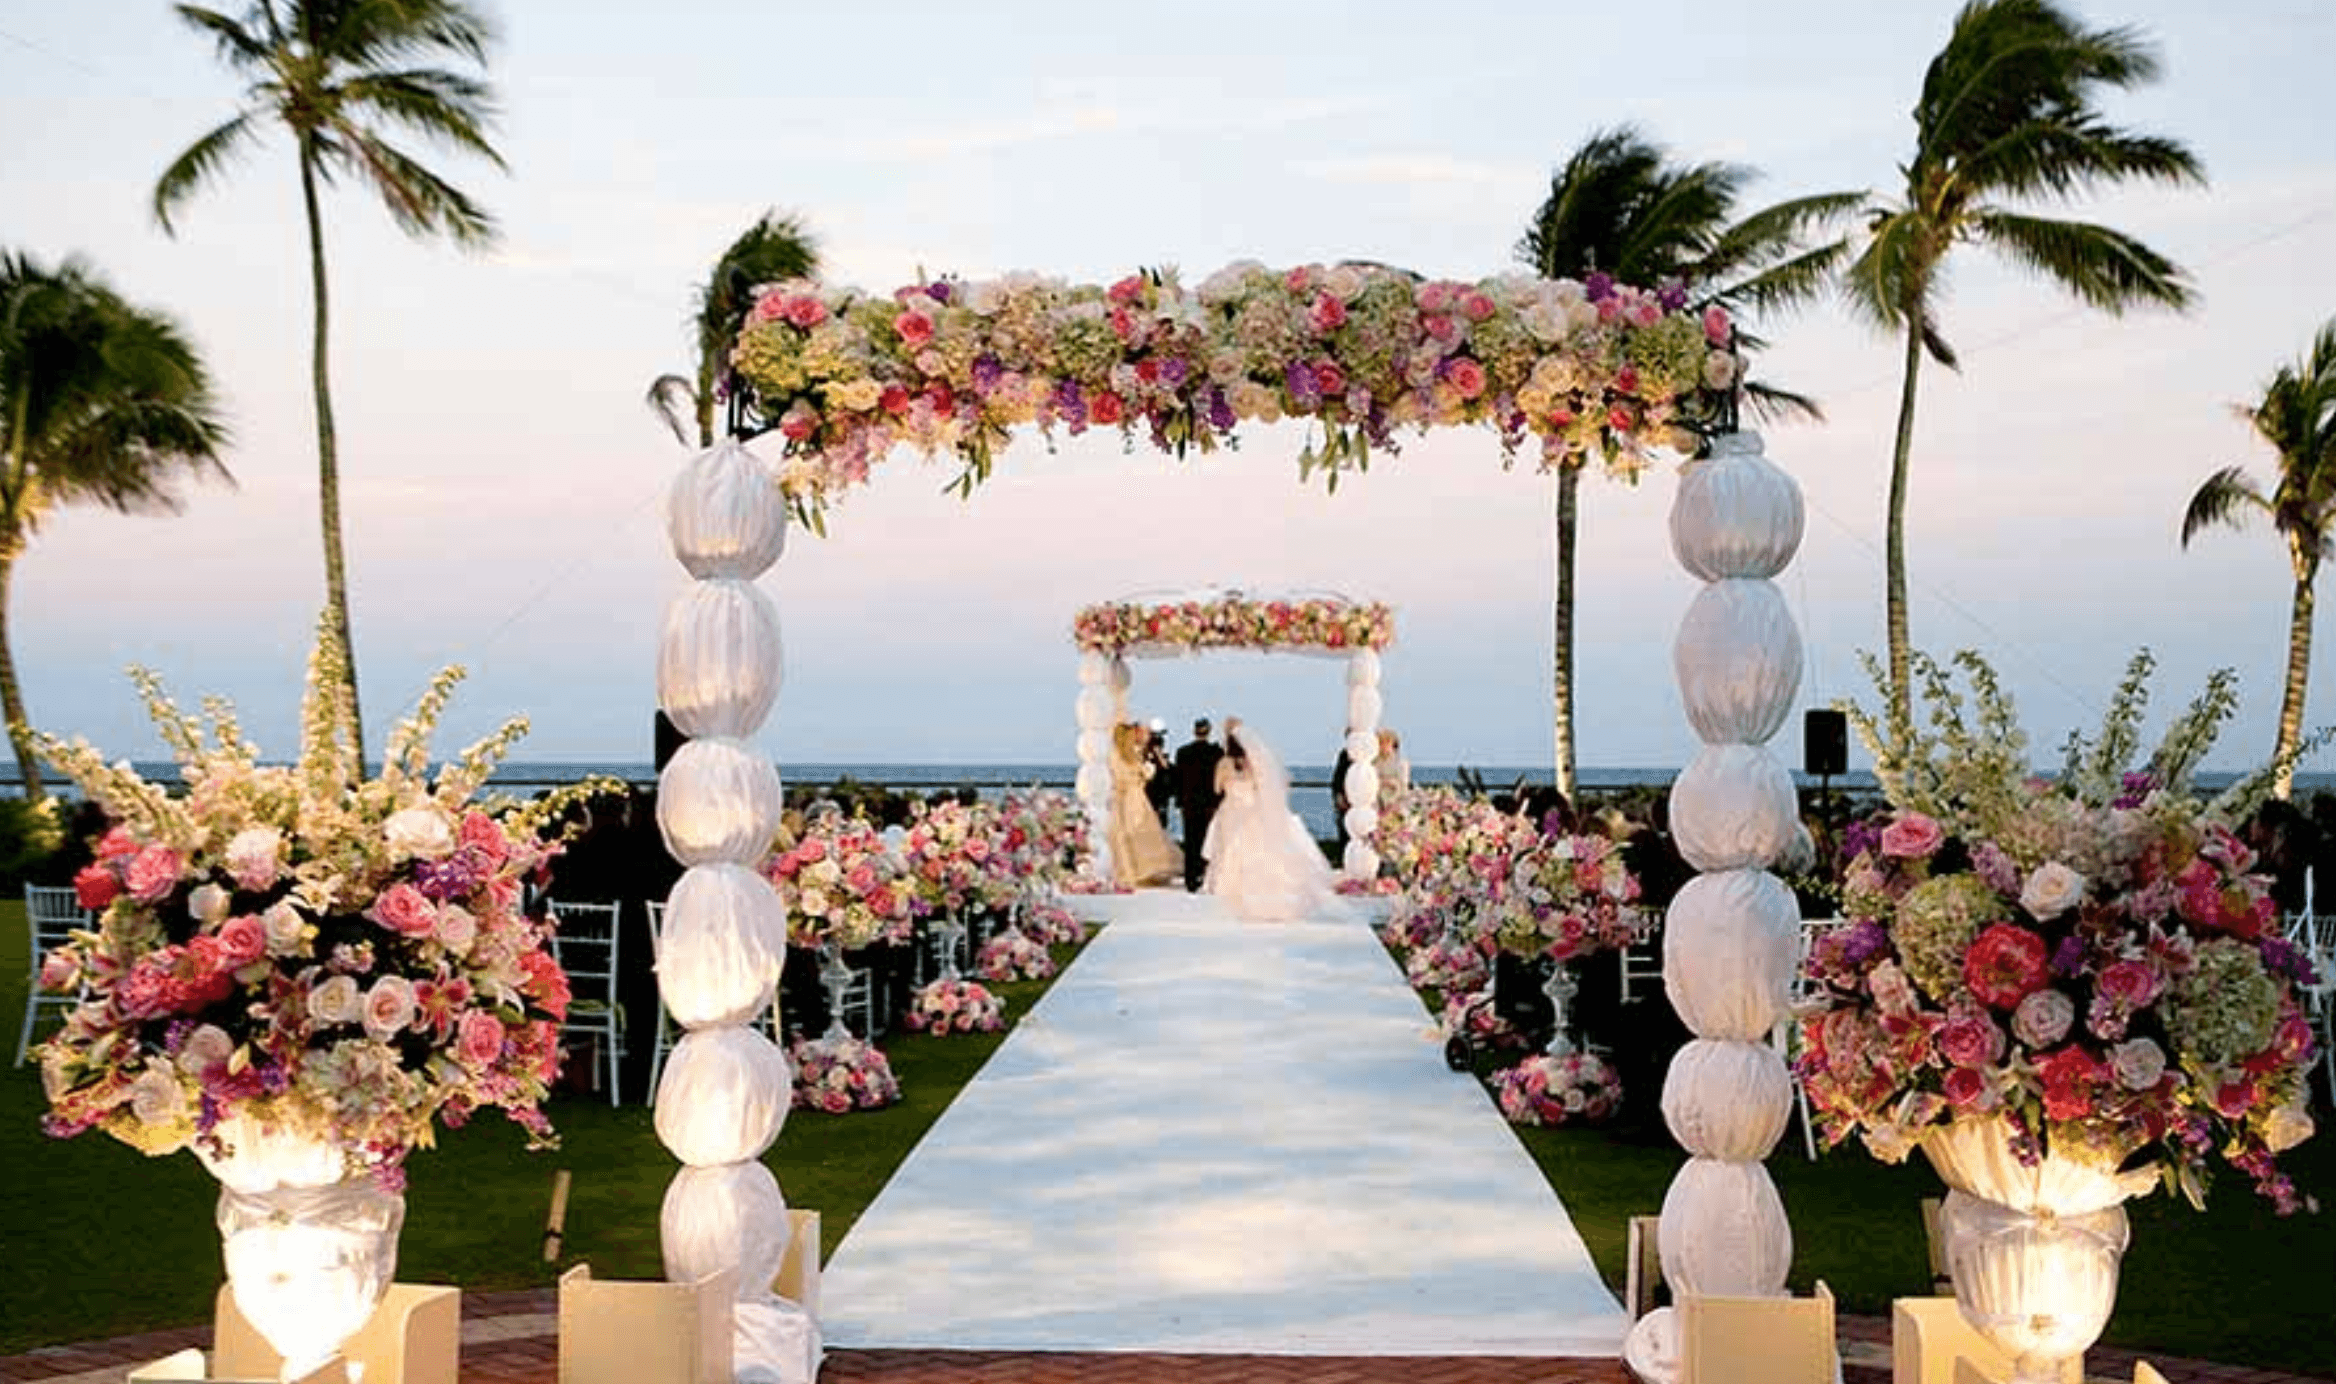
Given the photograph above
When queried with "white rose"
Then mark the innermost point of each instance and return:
(255, 857)
(207, 1047)
(2043, 1018)
(1345, 281)
(156, 1097)
(2051, 891)
(208, 904)
(287, 930)
(823, 873)
(389, 1007)
(813, 903)
(336, 1001)
(419, 833)
(2137, 1063)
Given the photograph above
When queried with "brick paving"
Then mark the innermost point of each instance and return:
(512, 1338)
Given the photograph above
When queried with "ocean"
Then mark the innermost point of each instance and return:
(1309, 783)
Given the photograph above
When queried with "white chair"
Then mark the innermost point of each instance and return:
(1642, 970)
(1804, 992)
(2315, 935)
(53, 915)
(584, 942)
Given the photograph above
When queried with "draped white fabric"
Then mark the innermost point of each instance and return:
(726, 1088)
(1731, 938)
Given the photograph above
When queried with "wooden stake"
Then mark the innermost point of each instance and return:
(557, 1222)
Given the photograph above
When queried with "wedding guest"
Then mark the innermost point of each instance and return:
(1394, 769)
(1140, 853)
(1196, 798)
(1160, 787)
(1338, 799)
(2282, 838)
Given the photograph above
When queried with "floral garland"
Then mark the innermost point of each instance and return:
(1231, 622)
(1588, 368)
(841, 1075)
(1579, 1088)
(956, 1006)
(2092, 958)
(303, 948)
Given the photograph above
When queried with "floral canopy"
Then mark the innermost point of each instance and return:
(1584, 369)
(1319, 624)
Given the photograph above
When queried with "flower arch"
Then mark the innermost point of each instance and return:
(1573, 372)
(1329, 626)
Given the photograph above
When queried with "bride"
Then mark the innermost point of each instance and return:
(1262, 861)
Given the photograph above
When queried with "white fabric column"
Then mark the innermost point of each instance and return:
(1097, 695)
(1731, 936)
(1364, 706)
(727, 1087)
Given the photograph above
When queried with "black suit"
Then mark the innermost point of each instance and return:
(1338, 802)
(1196, 799)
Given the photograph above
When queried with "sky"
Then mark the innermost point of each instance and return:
(503, 481)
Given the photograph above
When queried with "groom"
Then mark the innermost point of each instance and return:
(1196, 798)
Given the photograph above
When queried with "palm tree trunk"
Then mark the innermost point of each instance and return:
(2299, 672)
(1894, 557)
(1569, 492)
(28, 765)
(328, 466)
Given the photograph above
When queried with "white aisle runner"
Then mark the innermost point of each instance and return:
(1217, 1136)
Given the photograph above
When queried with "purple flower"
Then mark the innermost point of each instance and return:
(1861, 838)
(1999, 871)
(1220, 411)
(1172, 372)
(1672, 295)
(2136, 790)
(1299, 379)
(986, 372)
(2284, 958)
(453, 877)
(2068, 959)
(939, 293)
(1864, 942)
(1598, 287)
(1070, 403)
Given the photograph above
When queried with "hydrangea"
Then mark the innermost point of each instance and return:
(1937, 921)
(2227, 1008)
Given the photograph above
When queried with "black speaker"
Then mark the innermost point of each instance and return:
(669, 739)
(1824, 743)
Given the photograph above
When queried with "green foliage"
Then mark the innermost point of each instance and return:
(30, 839)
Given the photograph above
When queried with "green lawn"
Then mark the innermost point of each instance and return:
(98, 1240)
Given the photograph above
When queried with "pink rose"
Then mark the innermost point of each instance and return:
(242, 941)
(457, 928)
(2127, 984)
(480, 1039)
(116, 844)
(484, 835)
(95, 887)
(152, 873)
(800, 423)
(389, 1007)
(1467, 377)
(1435, 298)
(1967, 1089)
(404, 910)
(806, 311)
(1477, 307)
(768, 307)
(1912, 836)
(1716, 327)
(2043, 1018)
(2137, 1064)
(1645, 312)
(1328, 314)
(1329, 379)
(914, 327)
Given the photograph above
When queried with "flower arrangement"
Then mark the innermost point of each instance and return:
(1232, 622)
(1467, 867)
(841, 884)
(1448, 963)
(1571, 896)
(956, 1006)
(955, 860)
(1378, 887)
(2088, 957)
(945, 365)
(301, 948)
(1051, 926)
(1470, 1015)
(1579, 1088)
(1011, 955)
(1044, 832)
(839, 1075)
(1093, 886)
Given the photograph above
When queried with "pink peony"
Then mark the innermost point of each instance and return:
(404, 910)
(806, 311)
(1912, 836)
(242, 941)
(2005, 965)
(152, 873)
(1969, 1038)
(96, 886)
(255, 857)
(479, 1039)
(484, 835)
(914, 327)
(2127, 984)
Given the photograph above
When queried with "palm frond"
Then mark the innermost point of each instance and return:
(2104, 268)
(775, 247)
(1779, 232)
(446, 107)
(2223, 499)
(674, 399)
(1789, 283)
(419, 200)
(1891, 270)
(2007, 61)
(1776, 404)
(201, 162)
(2062, 154)
(238, 45)
(1935, 342)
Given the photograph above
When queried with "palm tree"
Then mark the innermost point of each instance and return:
(773, 248)
(2297, 417)
(2007, 115)
(1619, 207)
(100, 403)
(337, 75)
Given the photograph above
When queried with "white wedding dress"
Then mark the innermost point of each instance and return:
(1262, 860)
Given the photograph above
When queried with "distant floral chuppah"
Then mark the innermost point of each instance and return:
(1233, 622)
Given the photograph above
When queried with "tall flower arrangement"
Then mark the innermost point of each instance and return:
(1232, 622)
(2090, 957)
(841, 884)
(946, 365)
(302, 949)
